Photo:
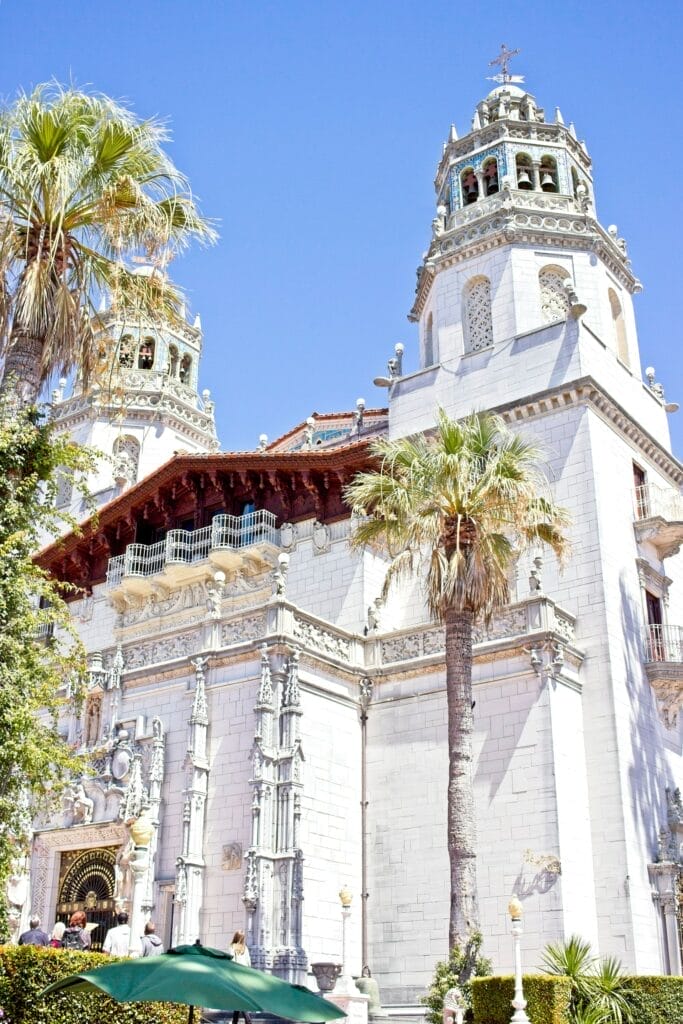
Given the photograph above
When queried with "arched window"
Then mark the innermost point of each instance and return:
(126, 459)
(548, 172)
(126, 351)
(478, 324)
(173, 358)
(146, 354)
(64, 488)
(469, 186)
(554, 298)
(490, 169)
(525, 178)
(619, 326)
(185, 368)
(429, 341)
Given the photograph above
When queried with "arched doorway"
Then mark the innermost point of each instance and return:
(87, 881)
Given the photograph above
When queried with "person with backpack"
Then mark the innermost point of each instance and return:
(76, 936)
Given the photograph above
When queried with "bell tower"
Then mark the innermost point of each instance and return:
(141, 402)
(521, 288)
(524, 305)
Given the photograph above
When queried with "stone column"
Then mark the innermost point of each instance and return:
(664, 874)
(536, 175)
(141, 831)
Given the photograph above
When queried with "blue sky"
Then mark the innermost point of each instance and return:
(311, 131)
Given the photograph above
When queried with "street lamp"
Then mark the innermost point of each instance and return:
(515, 910)
(345, 985)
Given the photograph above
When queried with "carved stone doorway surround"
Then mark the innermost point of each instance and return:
(47, 848)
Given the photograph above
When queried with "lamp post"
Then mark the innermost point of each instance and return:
(345, 986)
(519, 1002)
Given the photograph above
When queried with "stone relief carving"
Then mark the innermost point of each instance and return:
(240, 630)
(156, 651)
(232, 857)
(288, 536)
(311, 635)
(321, 538)
(509, 622)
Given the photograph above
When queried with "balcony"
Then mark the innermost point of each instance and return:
(663, 656)
(659, 519)
(228, 543)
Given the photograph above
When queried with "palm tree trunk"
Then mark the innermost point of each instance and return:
(22, 374)
(464, 915)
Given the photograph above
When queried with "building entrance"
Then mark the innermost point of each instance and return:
(87, 882)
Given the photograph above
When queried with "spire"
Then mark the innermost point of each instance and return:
(558, 116)
(452, 135)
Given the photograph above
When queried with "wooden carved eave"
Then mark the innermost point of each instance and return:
(293, 485)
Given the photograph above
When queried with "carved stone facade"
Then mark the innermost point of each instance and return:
(274, 880)
(227, 663)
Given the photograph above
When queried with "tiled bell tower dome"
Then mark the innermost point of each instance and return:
(141, 403)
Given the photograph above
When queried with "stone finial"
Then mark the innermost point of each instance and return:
(558, 116)
(262, 442)
(358, 414)
(452, 134)
(197, 323)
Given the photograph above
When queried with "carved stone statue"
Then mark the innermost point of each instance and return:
(123, 873)
(82, 806)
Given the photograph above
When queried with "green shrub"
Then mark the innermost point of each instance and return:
(655, 999)
(547, 999)
(455, 972)
(27, 970)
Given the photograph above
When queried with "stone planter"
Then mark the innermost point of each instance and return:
(326, 975)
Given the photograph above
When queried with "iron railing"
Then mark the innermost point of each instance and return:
(663, 643)
(184, 547)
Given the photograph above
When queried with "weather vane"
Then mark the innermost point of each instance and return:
(502, 61)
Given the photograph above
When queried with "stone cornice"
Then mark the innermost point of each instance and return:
(510, 217)
(586, 391)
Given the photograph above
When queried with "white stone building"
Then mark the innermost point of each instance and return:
(286, 731)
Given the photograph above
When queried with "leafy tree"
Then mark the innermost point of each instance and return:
(37, 676)
(83, 185)
(459, 505)
(463, 963)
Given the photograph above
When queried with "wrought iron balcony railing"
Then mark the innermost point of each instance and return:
(185, 547)
(663, 643)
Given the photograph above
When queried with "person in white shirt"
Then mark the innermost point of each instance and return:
(117, 940)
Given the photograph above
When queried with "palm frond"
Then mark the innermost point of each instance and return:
(465, 502)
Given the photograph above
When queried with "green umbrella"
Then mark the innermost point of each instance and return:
(200, 976)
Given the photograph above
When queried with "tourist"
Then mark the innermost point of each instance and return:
(57, 935)
(117, 940)
(240, 955)
(35, 936)
(151, 943)
(76, 936)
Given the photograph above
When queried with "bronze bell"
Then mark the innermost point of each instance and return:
(523, 179)
(547, 182)
(471, 189)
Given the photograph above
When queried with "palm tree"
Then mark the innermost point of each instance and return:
(460, 505)
(83, 185)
